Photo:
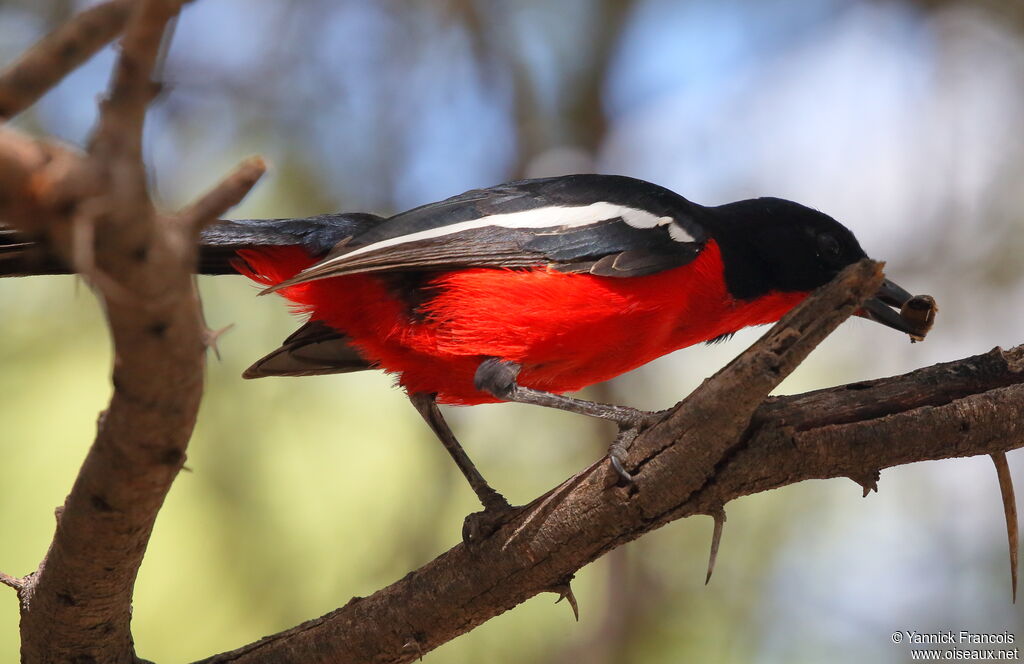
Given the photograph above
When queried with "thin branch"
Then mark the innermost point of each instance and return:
(60, 52)
(227, 194)
(122, 112)
(12, 581)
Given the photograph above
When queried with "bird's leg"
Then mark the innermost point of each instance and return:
(498, 377)
(496, 508)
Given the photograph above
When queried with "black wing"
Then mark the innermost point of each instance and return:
(21, 254)
(603, 224)
(315, 349)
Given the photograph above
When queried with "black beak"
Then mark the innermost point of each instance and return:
(894, 307)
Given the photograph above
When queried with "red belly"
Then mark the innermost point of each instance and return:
(566, 330)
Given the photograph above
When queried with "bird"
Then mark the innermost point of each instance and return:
(527, 290)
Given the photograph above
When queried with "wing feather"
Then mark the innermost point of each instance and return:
(602, 224)
(315, 349)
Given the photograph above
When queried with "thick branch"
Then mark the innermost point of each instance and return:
(957, 409)
(722, 442)
(964, 408)
(577, 522)
(94, 212)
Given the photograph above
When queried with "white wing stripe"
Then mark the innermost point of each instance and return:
(536, 218)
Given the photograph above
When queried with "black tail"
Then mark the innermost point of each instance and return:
(21, 256)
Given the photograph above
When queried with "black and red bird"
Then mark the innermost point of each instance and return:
(527, 290)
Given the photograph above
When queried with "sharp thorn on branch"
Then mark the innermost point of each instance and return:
(211, 337)
(716, 539)
(564, 591)
(868, 482)
(1010, 512)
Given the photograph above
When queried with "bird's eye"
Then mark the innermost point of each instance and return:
(828, 246)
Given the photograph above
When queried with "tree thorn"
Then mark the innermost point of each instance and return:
(211, 337)
(1010, 513)
(716, 539)
(564, 591)
(868, 481)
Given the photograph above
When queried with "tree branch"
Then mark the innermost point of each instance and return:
(118, 135)
(11, 582)
(95, 213)
(964, 408)
(722, 442)
(227, 194)
(60, 52)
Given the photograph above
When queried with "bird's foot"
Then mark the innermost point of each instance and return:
(631, 423)
(617, 453)
(478, 526)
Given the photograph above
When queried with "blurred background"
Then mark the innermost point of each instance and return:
(902, 119)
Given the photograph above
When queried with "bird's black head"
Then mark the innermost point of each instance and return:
(771, 244)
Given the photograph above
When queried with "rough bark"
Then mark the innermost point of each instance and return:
(723, 442)
(964, 408)
(726, 440)
(94, 211)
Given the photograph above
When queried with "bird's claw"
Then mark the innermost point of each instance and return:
(620, 470)
(479, 526)
(633, 421)
(617, 454)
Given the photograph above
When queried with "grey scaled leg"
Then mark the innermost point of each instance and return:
(498, 377)
(496, 508)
